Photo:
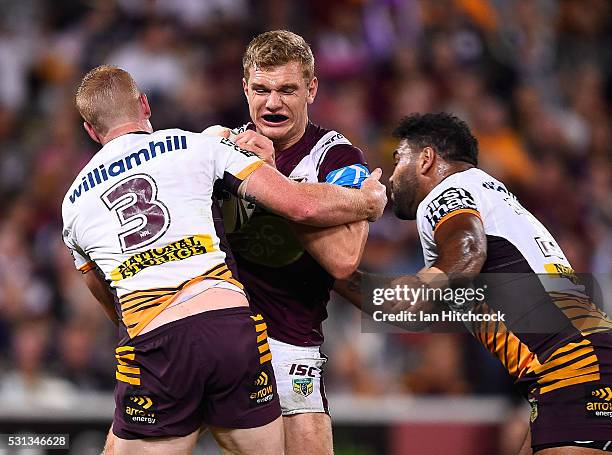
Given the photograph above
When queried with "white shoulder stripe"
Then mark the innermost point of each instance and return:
(323, 145)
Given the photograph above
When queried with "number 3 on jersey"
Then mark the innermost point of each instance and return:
(134, 201)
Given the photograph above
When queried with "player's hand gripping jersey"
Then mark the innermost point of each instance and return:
(142, 210)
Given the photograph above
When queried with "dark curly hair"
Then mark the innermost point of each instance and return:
(447, 134)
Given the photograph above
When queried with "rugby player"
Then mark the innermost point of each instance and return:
(556, 344)
(289, 269)
(141, 223)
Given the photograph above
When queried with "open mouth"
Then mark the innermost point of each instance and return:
(275, 118)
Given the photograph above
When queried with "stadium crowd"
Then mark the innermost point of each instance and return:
(533, 78)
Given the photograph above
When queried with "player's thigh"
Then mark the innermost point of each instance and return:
(308, 433)
(570, 450)
(179, 445)
(109, 445)
(526, 447)
(267, 439)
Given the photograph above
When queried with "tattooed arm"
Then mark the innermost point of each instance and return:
(351, 288)
(356, 289)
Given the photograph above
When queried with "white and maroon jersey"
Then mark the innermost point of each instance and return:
(548, 315)
(507, 224)
(283, 281)
(142, 211)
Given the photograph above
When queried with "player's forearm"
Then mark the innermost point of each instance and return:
(352, 289)
(337, 249)
(331, 205)
(314, 204)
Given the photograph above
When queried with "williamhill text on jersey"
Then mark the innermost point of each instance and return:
(102, 174)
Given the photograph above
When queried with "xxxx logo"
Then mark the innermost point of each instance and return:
(262, 379)
(144, 402)
(604, 393)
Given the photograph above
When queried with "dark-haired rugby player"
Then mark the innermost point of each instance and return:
(555, 342)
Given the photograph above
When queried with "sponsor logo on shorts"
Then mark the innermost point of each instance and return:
(139, 409)
(449, 201)
(303, 386)
(534, 409)
(304, 370)
(598, 402)
(262, 379)
(263, 390)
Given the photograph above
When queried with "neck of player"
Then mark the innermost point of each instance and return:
(126, 128)
(446, 169)
(282, 144)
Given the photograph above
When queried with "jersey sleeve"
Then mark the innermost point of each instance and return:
(233, 164)
(81, 260)
(343, 165)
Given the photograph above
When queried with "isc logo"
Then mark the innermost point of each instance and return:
(305, 370)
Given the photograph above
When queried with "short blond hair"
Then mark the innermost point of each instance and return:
(276, 48)
(107, 95)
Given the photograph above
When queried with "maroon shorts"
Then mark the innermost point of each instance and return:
(209, 369)
(579, 412)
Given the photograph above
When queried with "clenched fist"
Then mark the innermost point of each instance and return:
(258, 144)
(375, 193)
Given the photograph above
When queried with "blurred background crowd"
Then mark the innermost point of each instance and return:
(533, 78)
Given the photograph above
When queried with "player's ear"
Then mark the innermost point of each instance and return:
(426, 159)
(91, 132)
(245, 87)
(312, 90)
(144, 105)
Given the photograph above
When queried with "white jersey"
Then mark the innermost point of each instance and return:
(142, 211)
(504, 218)
(539, 323)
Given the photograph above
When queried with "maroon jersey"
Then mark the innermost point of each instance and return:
(283, 281)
